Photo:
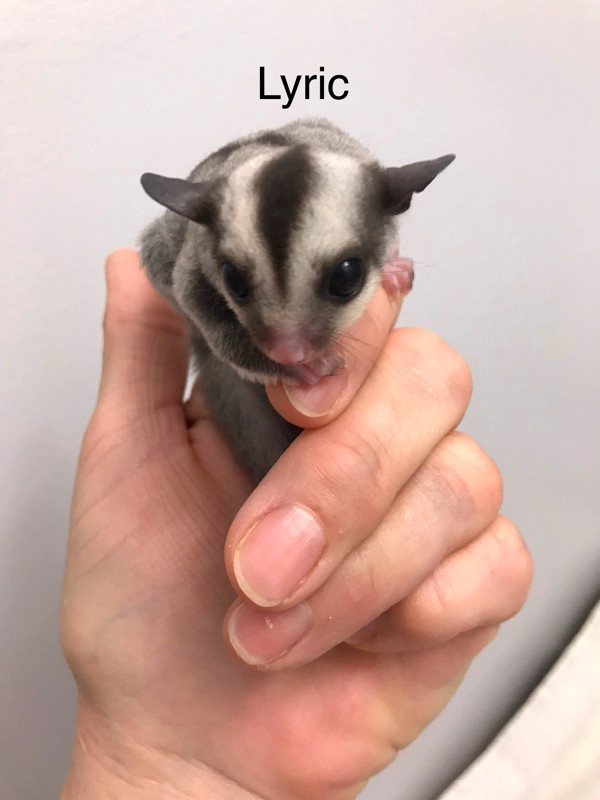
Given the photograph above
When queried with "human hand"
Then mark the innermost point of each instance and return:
(414, 547)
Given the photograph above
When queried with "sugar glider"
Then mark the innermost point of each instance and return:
(271, 248)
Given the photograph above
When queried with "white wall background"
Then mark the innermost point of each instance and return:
(93, 94)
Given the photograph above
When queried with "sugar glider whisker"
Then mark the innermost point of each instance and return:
(271, 248)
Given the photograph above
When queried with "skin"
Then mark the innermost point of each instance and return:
(418, 568)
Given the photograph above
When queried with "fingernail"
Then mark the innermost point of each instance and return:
(259, 637)
(316, 400)
(277, 554)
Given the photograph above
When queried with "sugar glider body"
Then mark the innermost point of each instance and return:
(271, 248)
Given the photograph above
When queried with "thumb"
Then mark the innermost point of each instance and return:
(144, 364)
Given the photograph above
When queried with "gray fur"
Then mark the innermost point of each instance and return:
(332, 202)
(256, 434)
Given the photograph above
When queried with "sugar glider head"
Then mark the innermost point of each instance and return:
(298, 237)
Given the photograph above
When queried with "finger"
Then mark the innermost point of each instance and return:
(197, 409)
(421, 683)
(411, 688)
(145, 342)
(484, 583)
(360, 347)
(453, 497)
(212, 450)
(333, 485)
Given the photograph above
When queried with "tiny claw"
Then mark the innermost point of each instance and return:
(311, 372)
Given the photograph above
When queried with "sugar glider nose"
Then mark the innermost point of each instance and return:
(286, 348)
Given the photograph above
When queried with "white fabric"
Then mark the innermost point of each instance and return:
(550, 750)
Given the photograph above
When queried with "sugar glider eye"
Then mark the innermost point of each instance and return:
(236, 282)
(345, 281)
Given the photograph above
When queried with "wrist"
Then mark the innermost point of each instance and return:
(116, 766)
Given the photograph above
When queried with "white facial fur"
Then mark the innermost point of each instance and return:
(326, 228)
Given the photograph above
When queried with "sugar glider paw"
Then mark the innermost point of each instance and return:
(311, 372)
(398, 275)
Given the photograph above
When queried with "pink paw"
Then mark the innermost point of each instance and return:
(398, 275)
(311, 372)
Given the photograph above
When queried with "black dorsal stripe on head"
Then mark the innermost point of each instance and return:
(273, 138)
(283, 186)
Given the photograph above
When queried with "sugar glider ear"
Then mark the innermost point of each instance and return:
(190, 200)
(401, 182)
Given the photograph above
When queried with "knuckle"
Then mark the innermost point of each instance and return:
(360, 460)
(432, 363)
(425, 614)
(517, 563)
(472, 470)
(438, 603)
(439, 608)
(462, 374)
(362, 588)
(457, 373)
(519, 560)
(462, 480)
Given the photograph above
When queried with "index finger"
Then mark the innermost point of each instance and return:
(333, 485)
